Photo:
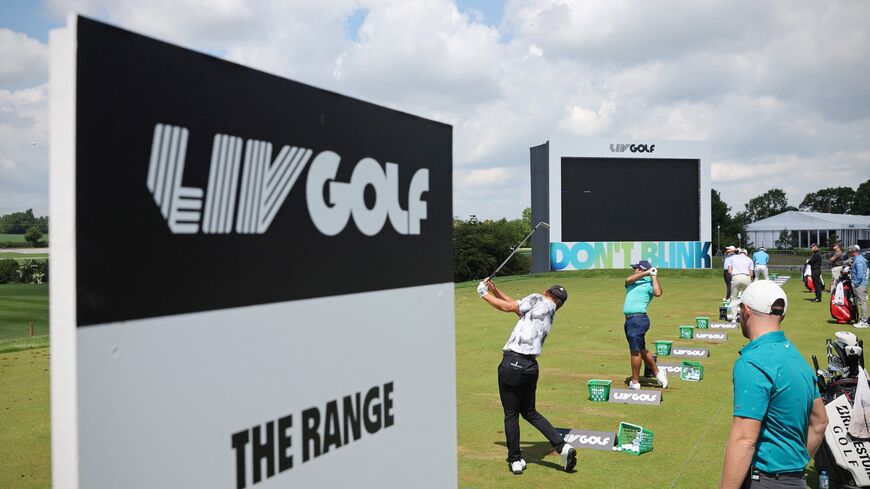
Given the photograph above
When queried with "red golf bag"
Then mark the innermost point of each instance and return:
(843, 307)
(808, 277)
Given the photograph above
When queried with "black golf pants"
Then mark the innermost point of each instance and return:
(817, 284)
(517, 382)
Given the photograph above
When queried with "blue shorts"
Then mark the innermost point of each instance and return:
(636, 326)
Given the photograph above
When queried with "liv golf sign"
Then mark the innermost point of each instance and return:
(258, 320)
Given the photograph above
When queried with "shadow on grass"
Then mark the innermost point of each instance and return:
(534, 453)
(646, 382)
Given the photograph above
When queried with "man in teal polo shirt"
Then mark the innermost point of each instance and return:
(640, 287)
(779, 418)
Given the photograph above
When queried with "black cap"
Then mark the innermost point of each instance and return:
(558, 292)
(643, 265)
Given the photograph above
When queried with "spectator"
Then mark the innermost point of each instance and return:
(836, 264)
(741, 269)
(859, 283)
(779, 417)
(815, 263)
(761, 258)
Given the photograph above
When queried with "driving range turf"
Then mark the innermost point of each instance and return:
(586, 342)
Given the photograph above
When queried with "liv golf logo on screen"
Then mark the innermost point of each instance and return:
(258, 319)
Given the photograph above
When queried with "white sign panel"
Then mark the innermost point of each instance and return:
(256, 319)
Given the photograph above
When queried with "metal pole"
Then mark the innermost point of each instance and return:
(517, 247)
(718, 240)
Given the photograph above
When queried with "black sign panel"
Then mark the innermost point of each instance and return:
(202, 184)
(630, 199)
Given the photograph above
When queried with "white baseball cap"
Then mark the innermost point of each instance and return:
(731, 248)
(761, 295)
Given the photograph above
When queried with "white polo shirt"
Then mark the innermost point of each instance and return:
(741, 265)
(533, 326)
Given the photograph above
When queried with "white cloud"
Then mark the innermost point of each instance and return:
(24, 149)
(23, 60)
(779, 89)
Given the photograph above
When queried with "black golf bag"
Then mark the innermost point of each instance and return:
(844, 355)
(844, 309)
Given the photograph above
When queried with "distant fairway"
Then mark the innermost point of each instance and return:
(586, 342)
(19, 304)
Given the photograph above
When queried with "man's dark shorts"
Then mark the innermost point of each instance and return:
(636, 326)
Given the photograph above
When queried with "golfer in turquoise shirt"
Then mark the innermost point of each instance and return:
(779, 418)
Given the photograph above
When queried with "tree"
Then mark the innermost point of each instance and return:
(480, 246)
(770, 203)
(784, 241)
(836, 200)
(729, 227)
(32, 236)
(527, 217)
(861, 202)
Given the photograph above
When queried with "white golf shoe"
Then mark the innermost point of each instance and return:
(518, 467)
(662, 377)
(569, 457)
(862, 325)
(635, 386)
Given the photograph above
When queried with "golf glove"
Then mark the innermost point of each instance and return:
(653, 271)
(482, 289)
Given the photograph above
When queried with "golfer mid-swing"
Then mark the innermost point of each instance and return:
(518, 370)
(640, 287)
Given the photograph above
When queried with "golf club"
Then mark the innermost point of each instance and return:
(517, 247)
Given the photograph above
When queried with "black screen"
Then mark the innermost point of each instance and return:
(630, 199)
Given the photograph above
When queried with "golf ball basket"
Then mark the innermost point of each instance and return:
(638, 437)
(687, 332)
(599, 390)
(692, 371)
(702, 322)
(663, 348)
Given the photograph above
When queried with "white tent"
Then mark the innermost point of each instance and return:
(809, 227)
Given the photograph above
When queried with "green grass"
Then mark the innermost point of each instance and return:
(18, 238)
(23, 256)
(20, 304)
(21, 344)
(25, 441)
(586, 342)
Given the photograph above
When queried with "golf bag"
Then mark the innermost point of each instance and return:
(844, 309)
(844, 356)
(808, 278)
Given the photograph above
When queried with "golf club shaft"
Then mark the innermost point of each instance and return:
(517, 248)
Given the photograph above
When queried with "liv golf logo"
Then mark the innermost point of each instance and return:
(265, 184)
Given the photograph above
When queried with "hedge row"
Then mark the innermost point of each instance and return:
(25, 271)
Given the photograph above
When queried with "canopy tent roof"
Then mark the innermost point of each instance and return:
(798, 220)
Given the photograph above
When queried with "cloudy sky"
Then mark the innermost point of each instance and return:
(780, 89)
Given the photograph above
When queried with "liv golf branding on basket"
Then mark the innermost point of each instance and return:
(266, 183)
(627, 396)
(269, 228)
